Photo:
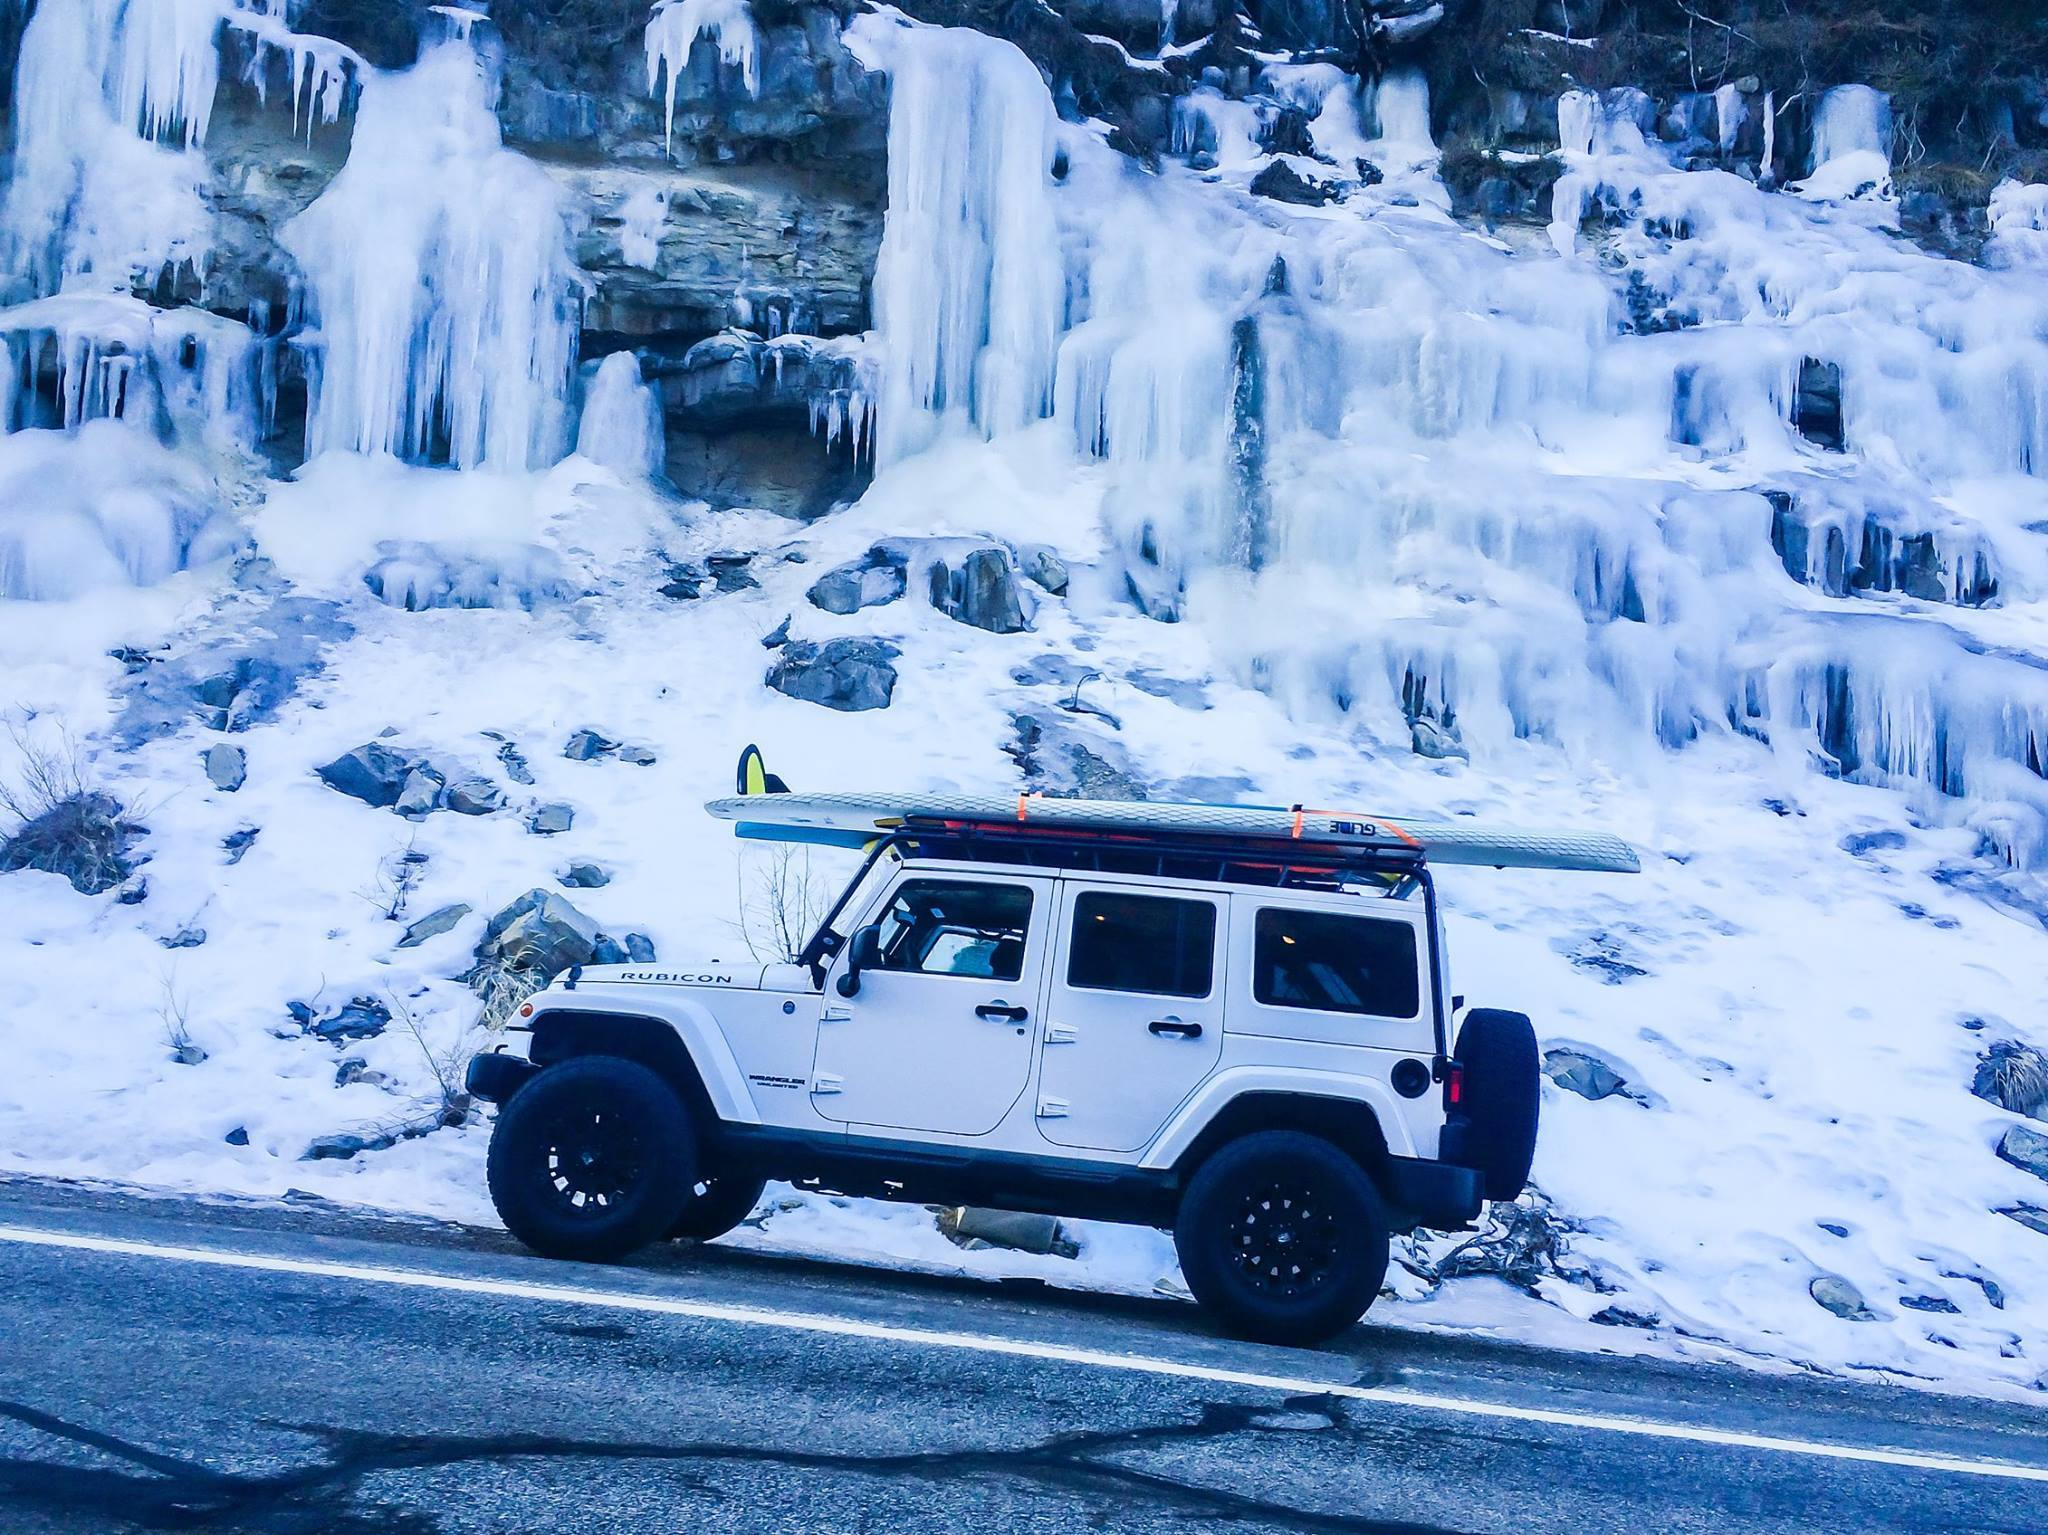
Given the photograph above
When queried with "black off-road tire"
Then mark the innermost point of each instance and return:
(1494, 1127)
(592, 1160)
(1282, 1237)
(718, 1202)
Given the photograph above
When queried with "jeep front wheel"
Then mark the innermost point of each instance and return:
(717, 1204)
(593, 1159)
(1282, 1236)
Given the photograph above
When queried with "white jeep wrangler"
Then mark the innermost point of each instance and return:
(1247, 1039)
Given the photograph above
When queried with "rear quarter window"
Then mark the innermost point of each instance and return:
(1335, 964)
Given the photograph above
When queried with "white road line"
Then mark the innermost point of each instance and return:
(1020, 1348)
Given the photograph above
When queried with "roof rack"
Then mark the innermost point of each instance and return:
(1222, 859)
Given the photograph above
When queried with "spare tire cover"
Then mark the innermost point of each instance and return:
(1493, 1129)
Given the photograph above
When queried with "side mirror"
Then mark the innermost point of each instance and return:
(863, 952)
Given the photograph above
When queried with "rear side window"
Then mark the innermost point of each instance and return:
(936, 927)
(1162, 947)
(1335, 964)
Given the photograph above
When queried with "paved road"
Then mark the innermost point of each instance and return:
(167, 1365)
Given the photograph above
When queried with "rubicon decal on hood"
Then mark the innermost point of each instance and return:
(675, 977)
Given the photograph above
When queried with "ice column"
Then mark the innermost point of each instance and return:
(441, 280)
(968, 285)
(621, 427)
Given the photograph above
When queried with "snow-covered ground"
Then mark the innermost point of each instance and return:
(1397, 482)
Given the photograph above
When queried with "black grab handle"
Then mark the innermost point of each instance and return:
(1002, 1010)
(1165, 1026)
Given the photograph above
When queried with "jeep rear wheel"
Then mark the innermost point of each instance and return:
(1282, 1236)
(593, 1159)
(717, 1204)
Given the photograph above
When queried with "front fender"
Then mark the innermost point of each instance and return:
(683, 1016)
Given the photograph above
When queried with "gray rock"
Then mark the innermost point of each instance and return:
(420, 795)
(981, 590)
(239, 841)
(1044, 568)
(2015, 1077)
(515, 763)
(433, 925)
(372, 773)
(875, 579)
(339, 1148)
(540, 932)
(2026, 1149)
(609, 951)
(239, 1136)
(779, 635)
(227, 765)
(185, 938)
(1431, 739)
(1003, 1228)
(586, 744)
(640, 948)
(585, 876)
(1283, 183)
(845, 674)
(1577, 1072)
(2033, 1217)
(473, 794)
(188, 1054)
(549, 819)
(638, 756)
(358, 1018)
(1834, 1293)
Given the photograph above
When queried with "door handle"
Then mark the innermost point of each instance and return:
(1000, 1009)
(1165, 1026)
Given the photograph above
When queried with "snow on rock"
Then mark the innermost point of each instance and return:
(441, 278)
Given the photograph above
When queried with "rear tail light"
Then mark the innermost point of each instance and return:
(1454, 1084)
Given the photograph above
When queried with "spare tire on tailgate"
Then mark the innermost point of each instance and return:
(1493, 1127)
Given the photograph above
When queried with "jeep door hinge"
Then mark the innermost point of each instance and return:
(1052, 1108)
(826, 1084)
(1060, 1034)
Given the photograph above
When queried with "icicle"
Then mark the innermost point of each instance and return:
(673, 30)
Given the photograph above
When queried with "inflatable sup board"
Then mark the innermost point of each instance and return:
(854, 819)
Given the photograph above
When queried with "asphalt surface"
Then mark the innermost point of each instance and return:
(173, 1365)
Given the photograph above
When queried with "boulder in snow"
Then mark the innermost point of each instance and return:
(2015, 1077)
(1578, 1072)
(541, 932)
(586, 743)
(1834, 1293)
(1283, 183)
(227, 765)
(845, 674)
(584, 876)
(433, 925)
(2026, 1149)
(982, 590)
(1043, 567)
(549, 819)
(372, 773)
(874, 579)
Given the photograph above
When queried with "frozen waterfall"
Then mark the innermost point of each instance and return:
(441, 280)
(1772, 490)
(621, 426)
(968, 287)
